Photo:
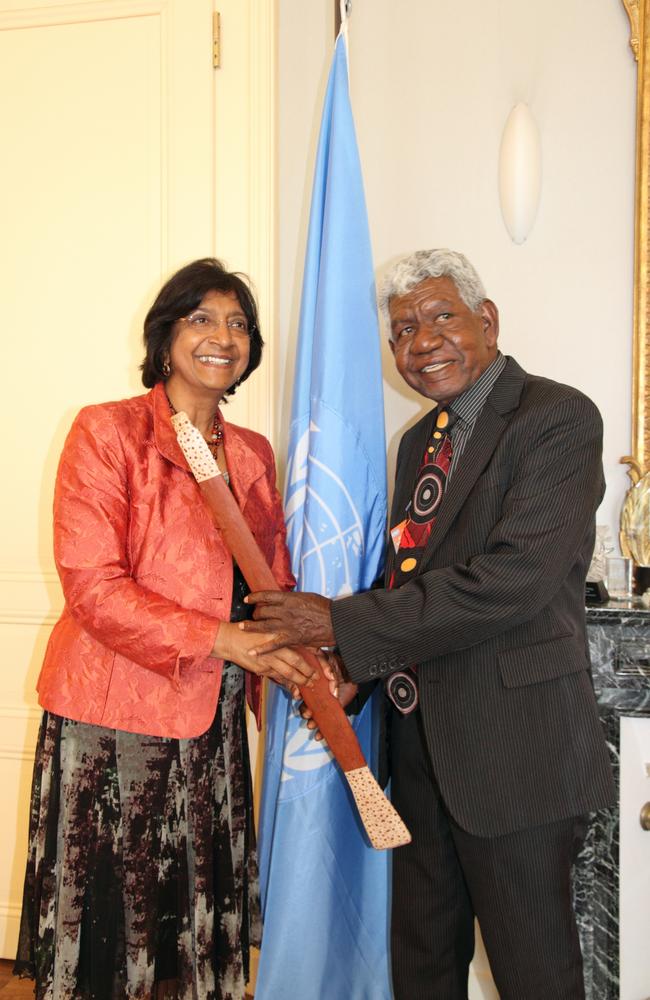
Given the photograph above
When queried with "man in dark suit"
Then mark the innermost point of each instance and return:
(496, 750)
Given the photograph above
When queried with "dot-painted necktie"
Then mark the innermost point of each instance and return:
(410, 537)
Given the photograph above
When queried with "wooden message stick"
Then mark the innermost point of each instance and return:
(383, 825)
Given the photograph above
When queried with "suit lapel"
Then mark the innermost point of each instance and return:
(245, 466)
(476, 456)
(164, 433)
(491, 423)
(405, 480)
(409, 468)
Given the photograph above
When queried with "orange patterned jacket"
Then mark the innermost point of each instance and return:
(145, 573)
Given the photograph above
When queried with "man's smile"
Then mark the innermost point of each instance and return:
(436, 367)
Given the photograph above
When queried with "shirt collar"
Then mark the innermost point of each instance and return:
(469, 404)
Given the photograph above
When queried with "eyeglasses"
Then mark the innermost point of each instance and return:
(205, 322)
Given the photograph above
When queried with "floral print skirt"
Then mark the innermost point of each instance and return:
(141, 876)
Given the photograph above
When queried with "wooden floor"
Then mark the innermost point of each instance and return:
(12, 988)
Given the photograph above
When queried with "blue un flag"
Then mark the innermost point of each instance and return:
(324, 888)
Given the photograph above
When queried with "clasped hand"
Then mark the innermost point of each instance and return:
(295, 619)
(285, 666)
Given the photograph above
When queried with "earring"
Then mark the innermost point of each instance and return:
(166, 369)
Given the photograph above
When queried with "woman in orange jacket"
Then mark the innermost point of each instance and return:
(141, 877)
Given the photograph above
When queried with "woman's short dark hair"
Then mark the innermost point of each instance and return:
(178, 297)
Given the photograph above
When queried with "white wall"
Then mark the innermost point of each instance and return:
(432, 86)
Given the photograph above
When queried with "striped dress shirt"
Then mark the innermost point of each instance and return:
(467, 408)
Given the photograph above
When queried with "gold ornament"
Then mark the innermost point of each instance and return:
(634, 536)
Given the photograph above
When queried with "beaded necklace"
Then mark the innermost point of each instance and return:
(216, 434)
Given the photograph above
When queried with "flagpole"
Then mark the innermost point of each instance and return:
(342, 11)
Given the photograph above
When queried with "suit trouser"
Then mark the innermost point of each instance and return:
(517, 885)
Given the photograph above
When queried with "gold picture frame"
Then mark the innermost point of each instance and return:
(634, 534)
(639, 461)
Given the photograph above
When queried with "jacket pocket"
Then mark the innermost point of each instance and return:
(542, 661)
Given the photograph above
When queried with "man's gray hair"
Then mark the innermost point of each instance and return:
(423, 264)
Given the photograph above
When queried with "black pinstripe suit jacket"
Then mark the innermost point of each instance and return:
(495, 620)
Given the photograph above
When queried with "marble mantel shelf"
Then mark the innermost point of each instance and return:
(617, 610)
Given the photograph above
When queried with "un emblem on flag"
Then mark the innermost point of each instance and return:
(325, 531)
(329, 483)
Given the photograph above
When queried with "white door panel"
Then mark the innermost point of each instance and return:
(111, 115)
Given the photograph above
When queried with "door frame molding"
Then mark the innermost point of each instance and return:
(245, 203)
(263, 200)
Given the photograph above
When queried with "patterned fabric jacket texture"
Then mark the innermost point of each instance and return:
(495, 619)
(145, 574)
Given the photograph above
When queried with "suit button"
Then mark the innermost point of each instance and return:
(373, 670)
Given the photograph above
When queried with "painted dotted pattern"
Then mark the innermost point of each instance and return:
(383, 823)
(195, 448)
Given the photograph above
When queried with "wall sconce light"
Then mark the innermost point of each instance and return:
(520, 172)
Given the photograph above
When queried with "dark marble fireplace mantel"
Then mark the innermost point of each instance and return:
(619, 645)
